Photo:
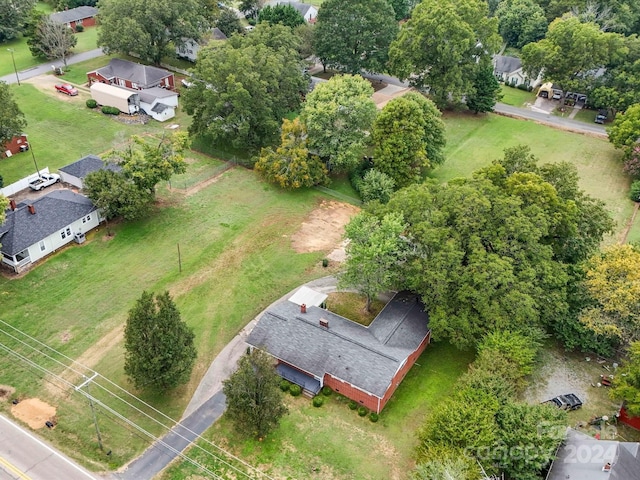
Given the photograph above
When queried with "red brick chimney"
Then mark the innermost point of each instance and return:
(12, 204)
(324, 323)
(303, 308)
(32, 210)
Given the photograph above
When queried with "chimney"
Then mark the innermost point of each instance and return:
(324, 323)
(12, 204)
(32, 210)
(303, 308)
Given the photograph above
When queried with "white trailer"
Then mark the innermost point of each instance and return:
(127, 101)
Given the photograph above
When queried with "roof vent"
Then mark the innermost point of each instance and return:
(303, 308)
(324, 323)
(12, 204)
(32, 209)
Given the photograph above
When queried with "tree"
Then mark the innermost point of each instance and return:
(304, 34)
(399, 143)
(12, 15)
(228, 22)
(250, 8)
(521, 22)
(12, 121)
(486, 91)
(445, 463)
(146, 164)
(613, 281)
(374, 251)
(148, 27)
(290, 166)
(159, 347)
(283, 14)
(435, 135)
(625, 131)
(355, 36)
(571, 53)
(441, 46)
(402, 8)
(376, 185)
(254, 400)
(339, 115)
(247, 86)
(116, 196)
(626, 387)
(52, 40)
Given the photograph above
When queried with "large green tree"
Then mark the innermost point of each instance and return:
(354, 36)
(625, 131)
(246, 87)
(339, 115)
(374, 251)
(12, 121)
(52, 40)
(284, 14)
(148, 28)
(521, 22)
(159, 347)
(442, 45)
(486, 91)
(116, 195)
(254, 399)
(12, 15)
(626, 387)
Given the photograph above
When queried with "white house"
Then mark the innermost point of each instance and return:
(159, 103)
(190, 48)
(509, 70)
(75, 172)
(308, 12)
(34, 230)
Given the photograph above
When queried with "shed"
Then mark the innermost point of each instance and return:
(126, 101)
(16, 145)
(159, 103)
(75, 172)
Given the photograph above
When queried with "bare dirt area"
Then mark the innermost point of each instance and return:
(46, 84)
(34, 412)
(324, 228)
(6, 392)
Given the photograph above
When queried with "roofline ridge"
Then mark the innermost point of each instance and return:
(393, 330)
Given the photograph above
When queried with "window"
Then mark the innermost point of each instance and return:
(42, 246)
(63, 234)
(134, 86)
(84, 219)
(88, 217)
(68, 232)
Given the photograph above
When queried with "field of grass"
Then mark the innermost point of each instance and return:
(333, 442)
(473, 142)
(516, 97)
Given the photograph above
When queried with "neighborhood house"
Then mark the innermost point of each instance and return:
(509, 70)
(34, 230)
(76, 172)
(159, 103)
(308, 12)
(132, 75)
(315, 347)
(190, 48)
(84, 15)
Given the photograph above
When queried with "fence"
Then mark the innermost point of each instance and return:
(21, 184)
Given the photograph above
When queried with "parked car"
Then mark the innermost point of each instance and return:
(67, 89)
(44, 180)
(601, 117)
(557, 95)
(566, 402)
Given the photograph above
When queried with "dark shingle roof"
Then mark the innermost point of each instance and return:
(144, 75)
(54, 212)
(148, 95)
(159, 107)
(74, 14)
(87, 165)
(505, 64)
(217, 34)
(367, 357)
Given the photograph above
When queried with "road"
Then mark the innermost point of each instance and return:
(25, 457)
(46, 67)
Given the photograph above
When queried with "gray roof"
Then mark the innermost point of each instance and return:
(54, 211)
(505, 64)
(159, 107)
(217, 34)
(74, 14)
(366, 357)
(582, 457)
(87, 165)
(148, 95)
(144, 75)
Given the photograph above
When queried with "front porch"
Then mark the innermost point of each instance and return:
(307, 382)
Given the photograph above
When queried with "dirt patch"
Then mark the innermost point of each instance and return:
(324, 228)
(6, 392)
(34, 412)
(204, 184)
(46, 84)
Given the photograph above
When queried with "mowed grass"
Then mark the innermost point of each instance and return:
(234, 240)
(333, 442)
(515, 96)
(474, 142)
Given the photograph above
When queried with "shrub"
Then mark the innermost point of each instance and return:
(285, 385)
(376, 185)
(634, 191)
(91, 103)
(252, 22)
(79, 28)
(519, 348)
(318, 401)
(326, 391)
(295, 390)
(325, 262)
(373, 416)
(632, 163)
(110, 110)
(352, 405)
(362, 411)
(522, 86)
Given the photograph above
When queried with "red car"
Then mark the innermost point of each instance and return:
(67, 89)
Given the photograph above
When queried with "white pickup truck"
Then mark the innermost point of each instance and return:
(44, 180)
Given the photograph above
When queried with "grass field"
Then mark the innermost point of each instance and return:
(516, 97)
(474, 141)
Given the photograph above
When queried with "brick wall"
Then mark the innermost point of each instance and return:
(13, 145)
(631, 421)
(355, 394)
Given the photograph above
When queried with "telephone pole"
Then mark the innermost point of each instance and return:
(86, 383)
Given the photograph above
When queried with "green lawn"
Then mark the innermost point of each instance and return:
(474, 141)
(516, 97)
(333, 442)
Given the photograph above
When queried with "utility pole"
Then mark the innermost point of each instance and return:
(10, 50)
(86, 382)
(34, 157)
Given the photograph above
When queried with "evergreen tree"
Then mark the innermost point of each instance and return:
(486, 91)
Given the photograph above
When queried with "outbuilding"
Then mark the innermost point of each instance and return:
(75, 173)
(159, 103)
(127, 101)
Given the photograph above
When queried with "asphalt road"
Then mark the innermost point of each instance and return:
(23, 456)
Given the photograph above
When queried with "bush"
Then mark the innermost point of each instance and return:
(295, 390)
(373, 416)
(325, 262)
(252, 22)
(285, 385)
(91, 103)
(79, 28)
(634, 191)
(110, 110)
(318, 401)
(632, 163)
(326, 391)
(352, 405)
(376, 185)
(362, 411)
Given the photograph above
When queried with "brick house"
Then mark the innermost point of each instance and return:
(16, 145)
(85, 16)
(136, 76)
(315, 347)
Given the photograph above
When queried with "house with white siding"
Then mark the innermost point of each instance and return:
(35, 229)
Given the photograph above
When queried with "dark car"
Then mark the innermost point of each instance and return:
(566, 402)
(601, 117)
